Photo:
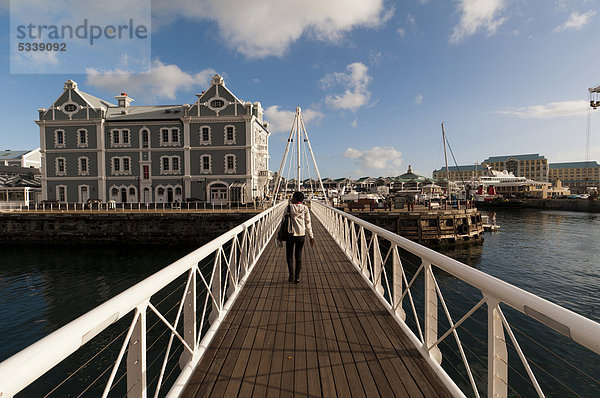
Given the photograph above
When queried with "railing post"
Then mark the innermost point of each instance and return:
(363, 253)
(136, 357)
(216, 288)
(497, 353)
(397, 284)
(377, 266)
(244, 254)
(233, 268)
(189, 320)
(431, 314)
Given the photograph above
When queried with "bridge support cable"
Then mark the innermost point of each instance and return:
(299, 136)
(365, 244)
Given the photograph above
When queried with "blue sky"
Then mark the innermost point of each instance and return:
(374, 78)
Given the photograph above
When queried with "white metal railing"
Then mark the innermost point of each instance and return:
(381, 257)
(211, 276)
(53, 206)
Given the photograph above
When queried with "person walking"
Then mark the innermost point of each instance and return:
(300, 226)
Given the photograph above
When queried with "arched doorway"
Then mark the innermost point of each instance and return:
(169, 195)
(147, 195)
(218, 193)
(123, 195)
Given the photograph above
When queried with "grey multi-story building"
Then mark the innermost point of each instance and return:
(214, 150)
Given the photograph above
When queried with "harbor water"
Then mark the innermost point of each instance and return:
(555, 255)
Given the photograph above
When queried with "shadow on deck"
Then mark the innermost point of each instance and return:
(327, 336)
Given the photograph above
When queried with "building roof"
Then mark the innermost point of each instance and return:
(466, 167)
(95, 101)
(530, 156)
(18, 170)
(11, 155)
(409, 175)
(573, 165)
(32, 181)
(146, 112)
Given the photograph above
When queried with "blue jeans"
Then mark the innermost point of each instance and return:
(293, 247)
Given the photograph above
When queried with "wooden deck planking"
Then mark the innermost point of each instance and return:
(326, 336)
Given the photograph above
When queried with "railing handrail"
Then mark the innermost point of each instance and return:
(577, 327)
(43, 355)
(580, 329)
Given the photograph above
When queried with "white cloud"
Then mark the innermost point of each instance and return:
(419, 99)
(280, 121)
(355, 80)
(411, 20)
(375, 58)
(379, 158)
(163, 82)
(354, 123)
(576, 21)
(551, 110)
(401, 32)
(477, 15)
(261, 28)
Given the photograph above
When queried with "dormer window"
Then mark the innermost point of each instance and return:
(69, 108)
(217, 103)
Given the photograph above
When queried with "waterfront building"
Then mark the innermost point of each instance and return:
(214, 150)
(578, 176)
(410, 180)
(19, 186)
(533, 166)
(460, 173)
(29, 158)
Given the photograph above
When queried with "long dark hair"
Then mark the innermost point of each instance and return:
(298, 197)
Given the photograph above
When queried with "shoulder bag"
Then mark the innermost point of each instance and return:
(284, 231)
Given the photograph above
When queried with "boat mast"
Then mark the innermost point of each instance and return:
(446, 159)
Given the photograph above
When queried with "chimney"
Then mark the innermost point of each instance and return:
(124, 100)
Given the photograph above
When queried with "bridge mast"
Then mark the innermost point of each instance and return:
(298, 132)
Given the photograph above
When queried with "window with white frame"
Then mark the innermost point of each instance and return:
(59, 138)
(170, 165)
(83, 166)
(82, 138)
(169, 136)
(230, 163)
(61, 193)
(61, 167)
(120, 137)
(120, 165)
(145, 139)
(229, 135)
(205, 164)
(205, 135)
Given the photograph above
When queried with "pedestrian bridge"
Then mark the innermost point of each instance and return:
(373, 315)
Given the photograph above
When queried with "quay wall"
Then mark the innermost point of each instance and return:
(179, 228)
(582, 205)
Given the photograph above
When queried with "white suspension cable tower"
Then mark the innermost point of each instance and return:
(298, 133)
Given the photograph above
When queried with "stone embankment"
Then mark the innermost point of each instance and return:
(193, 228)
